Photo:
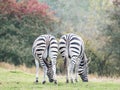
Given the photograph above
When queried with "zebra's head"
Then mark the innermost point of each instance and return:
(50, 72)
(83, 69)
(83, 72)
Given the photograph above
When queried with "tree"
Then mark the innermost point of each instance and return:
(91, 19)
(112, 46)
(20, 23)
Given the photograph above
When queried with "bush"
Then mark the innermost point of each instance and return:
(20, 23)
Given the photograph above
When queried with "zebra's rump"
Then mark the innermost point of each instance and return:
(45, 46)
(70, 45)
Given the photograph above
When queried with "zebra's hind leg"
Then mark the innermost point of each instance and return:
(76, 80)
(55, 81)
(36, 81)
(67, 71)
(67, 80)
(45, 73)
(43, 82)
(72, 81)
(67, 75)
(54, 69)
(76, 70)
(37, 70)
(76, 76)
(71, 68)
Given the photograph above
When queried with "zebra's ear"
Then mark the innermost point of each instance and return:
(50, 63)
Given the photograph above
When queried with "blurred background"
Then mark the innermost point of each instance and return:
(96, 21)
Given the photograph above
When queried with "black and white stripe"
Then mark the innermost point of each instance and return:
(71, 48)
(46, 47)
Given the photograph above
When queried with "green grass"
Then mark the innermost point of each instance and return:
(17, 80)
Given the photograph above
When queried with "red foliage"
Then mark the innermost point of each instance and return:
(24, 7)
(8, 6)
(33, 6)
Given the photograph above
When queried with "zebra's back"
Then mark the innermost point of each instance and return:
(45, 46)
(71, 44)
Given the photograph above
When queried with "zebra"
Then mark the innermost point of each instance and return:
(45, 47)
(71, 48)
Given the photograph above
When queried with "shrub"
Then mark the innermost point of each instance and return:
(20, 23)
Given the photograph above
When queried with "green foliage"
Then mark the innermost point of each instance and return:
(94, 61)
(17, 33)
(107, 49)
(96, 21)
(112, 46)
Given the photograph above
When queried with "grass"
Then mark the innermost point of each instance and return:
(18, 80)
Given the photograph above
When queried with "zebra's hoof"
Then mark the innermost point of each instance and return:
(67, 81)
(36, 81)
(76, 80)
(43, 82)
(55, 82)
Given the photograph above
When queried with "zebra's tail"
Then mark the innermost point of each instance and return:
(65, 62)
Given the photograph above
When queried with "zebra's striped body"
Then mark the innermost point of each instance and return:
(71, 48)
(44, 47)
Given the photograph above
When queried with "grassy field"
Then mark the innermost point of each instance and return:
(18, 80)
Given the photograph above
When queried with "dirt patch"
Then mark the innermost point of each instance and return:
(21, 68)
(95, 78)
